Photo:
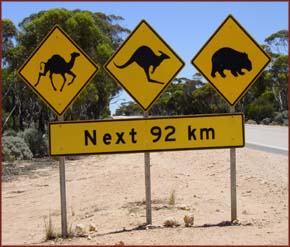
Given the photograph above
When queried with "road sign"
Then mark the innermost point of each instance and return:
(58, 70)
(231, 60)
(144, 65)
(150, 134)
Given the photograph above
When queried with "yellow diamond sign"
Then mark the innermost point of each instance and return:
(231, 60)
(58, 70)
(144, 65)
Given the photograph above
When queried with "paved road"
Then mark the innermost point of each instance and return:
(267, 138)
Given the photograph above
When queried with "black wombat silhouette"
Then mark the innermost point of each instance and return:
(230, 59)
(146, 58)
(57, 65)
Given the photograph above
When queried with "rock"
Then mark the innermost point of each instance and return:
(120, 243)
(80, 230)
(248, 224)
(235, 222)
(188, 220)
(183, 207)
(170, 222)
(92, 228)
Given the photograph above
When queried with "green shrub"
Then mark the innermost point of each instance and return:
(36, 142)
(278, 117)
(15, 148)
(285, 114)
(258, 112)
(10, 132)
(262, 107)
(266, 121)
(274, 123)
(250, 121)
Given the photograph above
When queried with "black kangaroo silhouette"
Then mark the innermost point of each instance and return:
(57, 65)
(145, 58)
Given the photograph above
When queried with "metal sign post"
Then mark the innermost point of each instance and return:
(147, 184)
(228, 46)
(58, 98)
(233, 178)
(62, 192)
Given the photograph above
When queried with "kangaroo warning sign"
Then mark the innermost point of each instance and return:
(231, 60)
(144, 65)
(58, 70)
(150, 134)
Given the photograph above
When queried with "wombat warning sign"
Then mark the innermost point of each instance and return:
(231, 60)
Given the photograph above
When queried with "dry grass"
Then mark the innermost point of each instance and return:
(50, 231)
(172, 198)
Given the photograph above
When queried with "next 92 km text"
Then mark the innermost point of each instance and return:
(150, 134)
(166, 135)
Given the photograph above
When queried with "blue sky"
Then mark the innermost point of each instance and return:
(185, 26)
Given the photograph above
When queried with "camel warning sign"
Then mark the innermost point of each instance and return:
(231, 60)
(58, 70)
(144, 65)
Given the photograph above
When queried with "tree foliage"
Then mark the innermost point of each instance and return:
(278, 41)
(182, 97)
(96, 33)
(99, 35)
(266, 99)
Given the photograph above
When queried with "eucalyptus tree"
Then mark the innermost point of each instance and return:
(278, 73)
(97, 34)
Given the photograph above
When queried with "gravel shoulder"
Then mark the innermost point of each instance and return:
(108, 192)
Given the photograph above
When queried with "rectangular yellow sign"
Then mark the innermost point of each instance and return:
(147, 134)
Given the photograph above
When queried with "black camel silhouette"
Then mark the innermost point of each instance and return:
(57, 65)
(145, 58)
